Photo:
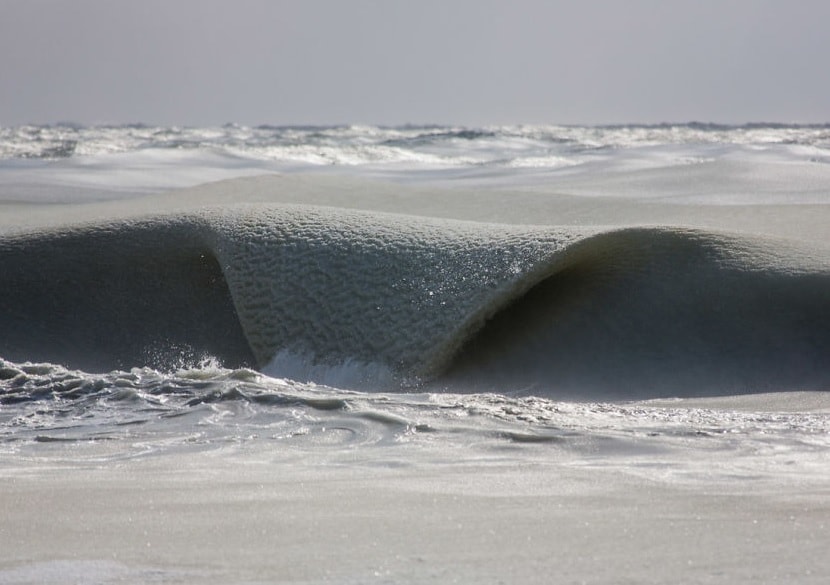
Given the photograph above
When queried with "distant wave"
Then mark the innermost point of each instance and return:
(344, 144)
(624, 312)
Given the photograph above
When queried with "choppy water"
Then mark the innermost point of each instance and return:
(105, 161)
(512, 146)
(64, 415)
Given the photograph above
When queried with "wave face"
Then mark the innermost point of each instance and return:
(116, 296)
(390, 301)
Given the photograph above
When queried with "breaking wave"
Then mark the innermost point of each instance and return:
(373, 300)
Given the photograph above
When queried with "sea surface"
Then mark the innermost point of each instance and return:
(648, 299)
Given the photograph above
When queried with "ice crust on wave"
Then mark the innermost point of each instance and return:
(349, 286)
(642, 312)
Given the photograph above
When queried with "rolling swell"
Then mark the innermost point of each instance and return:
(574, 312)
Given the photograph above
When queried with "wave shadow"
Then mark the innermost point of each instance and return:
(114, 297)
(647, 313)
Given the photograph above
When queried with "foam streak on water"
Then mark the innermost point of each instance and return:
(52, 413)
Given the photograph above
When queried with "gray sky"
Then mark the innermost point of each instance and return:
(472, 62)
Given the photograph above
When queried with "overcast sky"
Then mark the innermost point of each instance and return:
(471, 62)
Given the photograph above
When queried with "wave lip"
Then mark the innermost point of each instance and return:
(359, 298)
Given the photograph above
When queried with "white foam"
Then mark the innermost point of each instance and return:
(349, 373)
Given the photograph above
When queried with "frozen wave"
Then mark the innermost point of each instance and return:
(622, 312)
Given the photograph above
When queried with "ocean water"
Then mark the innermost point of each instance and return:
(560, 263)
(650, 300)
